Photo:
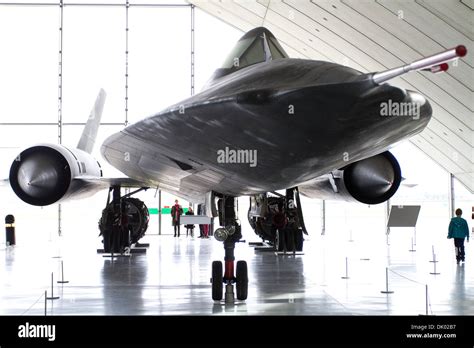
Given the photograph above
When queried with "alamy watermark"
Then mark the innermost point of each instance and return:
(37, 331)
(400, 109)
(228, 155)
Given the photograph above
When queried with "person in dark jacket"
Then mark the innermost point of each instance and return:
(458, 230)
(190, 227)
(176, 212)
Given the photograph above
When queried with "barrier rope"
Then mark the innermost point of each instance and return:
(416, 282)
(42, 295)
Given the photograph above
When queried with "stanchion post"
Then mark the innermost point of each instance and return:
(434, 265)
(62, 281)
(347, 270)
(52, 297)
(426, 295)
(433, 254)
(386, 283)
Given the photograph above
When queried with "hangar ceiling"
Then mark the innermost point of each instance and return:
(373, 35)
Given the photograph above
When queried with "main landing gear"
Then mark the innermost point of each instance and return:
(229, 235)
(278, 220)
(124, 221)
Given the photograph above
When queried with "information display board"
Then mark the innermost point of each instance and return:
(403, 215)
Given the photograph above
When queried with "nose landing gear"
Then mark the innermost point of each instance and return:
(229, 235)
(227, 278)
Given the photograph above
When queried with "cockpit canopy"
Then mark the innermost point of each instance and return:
(256, 46)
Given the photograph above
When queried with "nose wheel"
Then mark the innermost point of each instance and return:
(217, 281)
(242, 281)
(220, 278)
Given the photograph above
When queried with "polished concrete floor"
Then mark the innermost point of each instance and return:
(173, 277)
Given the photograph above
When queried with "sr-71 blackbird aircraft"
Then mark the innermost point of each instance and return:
(264, 122)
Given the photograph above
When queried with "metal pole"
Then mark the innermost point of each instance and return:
(60, 93)
(82, 4)
(386, 283)
(59, 220)
(60, 75)
(323, 217)
(192, 49)
(452, 198)
(45, 302)
(347, 270)
(433, 253)
(434, 266)
(62, 281)
(52, 289)
(426, 287)
(387, 215)
(159, 212)
(127, 6)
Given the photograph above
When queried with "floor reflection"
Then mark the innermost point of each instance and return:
(172, 278)
(123, 281)
(458, 293)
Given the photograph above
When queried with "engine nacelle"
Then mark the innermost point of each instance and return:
(44, 174)
(371, 181)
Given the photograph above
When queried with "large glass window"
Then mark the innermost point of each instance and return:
(93, 58)
(29, 64)
(465, 201)
(159, 58)
(212, 46)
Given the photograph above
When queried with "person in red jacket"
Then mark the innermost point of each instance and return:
(176, 212)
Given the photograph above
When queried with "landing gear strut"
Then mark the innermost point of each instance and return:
(229, 235)
(278, 219)
(124, 221)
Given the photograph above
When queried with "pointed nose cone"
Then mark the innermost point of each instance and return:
(373, 175)
(41, 176)
(38, 173)
(373, 180)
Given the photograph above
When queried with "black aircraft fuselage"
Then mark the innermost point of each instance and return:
(304, 118)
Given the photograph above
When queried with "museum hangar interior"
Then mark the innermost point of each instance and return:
(385, 256)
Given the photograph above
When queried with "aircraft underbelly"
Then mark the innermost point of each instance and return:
(286, 138)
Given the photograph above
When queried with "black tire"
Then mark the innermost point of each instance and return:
(299, 240)
(217, 280)
(139, 218)
(242, 283)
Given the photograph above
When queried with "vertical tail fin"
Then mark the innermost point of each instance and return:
(89, 134)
